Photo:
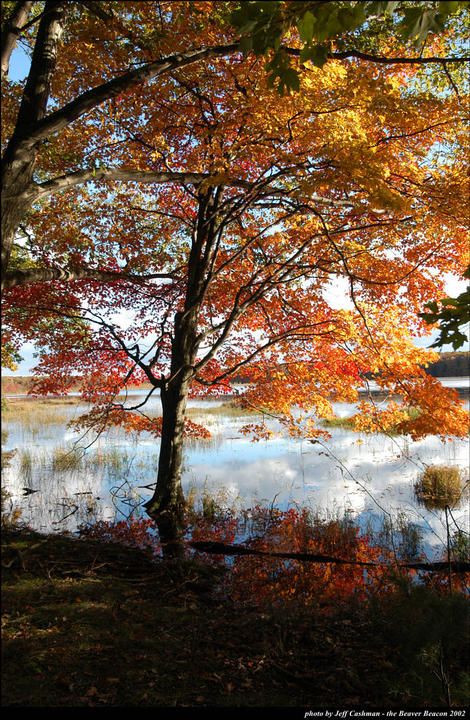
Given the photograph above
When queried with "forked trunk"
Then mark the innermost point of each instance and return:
(167, 505)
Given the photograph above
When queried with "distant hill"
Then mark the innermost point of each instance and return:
(451, 364)
(15, 385)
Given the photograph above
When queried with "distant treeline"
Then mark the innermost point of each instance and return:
(15, 385)
(451, 364)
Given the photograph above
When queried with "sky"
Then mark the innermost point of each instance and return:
(337, 295)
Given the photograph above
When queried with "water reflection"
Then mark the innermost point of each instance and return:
(368, 477)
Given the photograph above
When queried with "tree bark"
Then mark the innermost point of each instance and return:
(18, 161)
(167, 505)
(17, 277)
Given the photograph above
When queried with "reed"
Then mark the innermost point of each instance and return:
(33, 417)
(226, 409)
(26, 464)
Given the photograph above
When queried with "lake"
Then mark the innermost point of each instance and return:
(368, 478)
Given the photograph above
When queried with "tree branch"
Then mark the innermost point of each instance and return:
(34, 275)
(64, 182)
(79, 177)
(91, 98)
(382, 59)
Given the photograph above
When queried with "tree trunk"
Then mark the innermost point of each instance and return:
(12, 31)
(167, 505)
(14, 210)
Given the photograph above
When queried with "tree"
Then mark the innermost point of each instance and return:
(31, 126)
(215, 214)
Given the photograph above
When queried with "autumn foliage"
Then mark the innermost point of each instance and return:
(370, 570)
(343, 180)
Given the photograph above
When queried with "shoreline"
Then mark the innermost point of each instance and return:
(74, 396)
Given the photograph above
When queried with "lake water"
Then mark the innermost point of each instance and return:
(365, 477)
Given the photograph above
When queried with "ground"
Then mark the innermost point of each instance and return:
(88, 623)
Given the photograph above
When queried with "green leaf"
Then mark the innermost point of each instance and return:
(349, 19)
(411, 23)
(359, 13)
(319, 55)
(306, 53)
(246, 44)
(381, 8)
(447, 8)
(291, 79)
(305, 26)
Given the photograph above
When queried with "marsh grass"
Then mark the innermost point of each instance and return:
(439, 486)
(211, 503)
(215, 440)
(347, 423)
(37, 417)
(229, 409)
(26, 464)
(111, 458)
(400, 534)
(64, 460)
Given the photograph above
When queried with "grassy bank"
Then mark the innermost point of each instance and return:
(93, 623)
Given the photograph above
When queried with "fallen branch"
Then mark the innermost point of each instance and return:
(218, 548)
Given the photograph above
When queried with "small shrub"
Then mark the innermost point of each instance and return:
(438, 486)
(133, 532)
(267, 580)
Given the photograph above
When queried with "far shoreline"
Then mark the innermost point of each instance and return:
(74, 396)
